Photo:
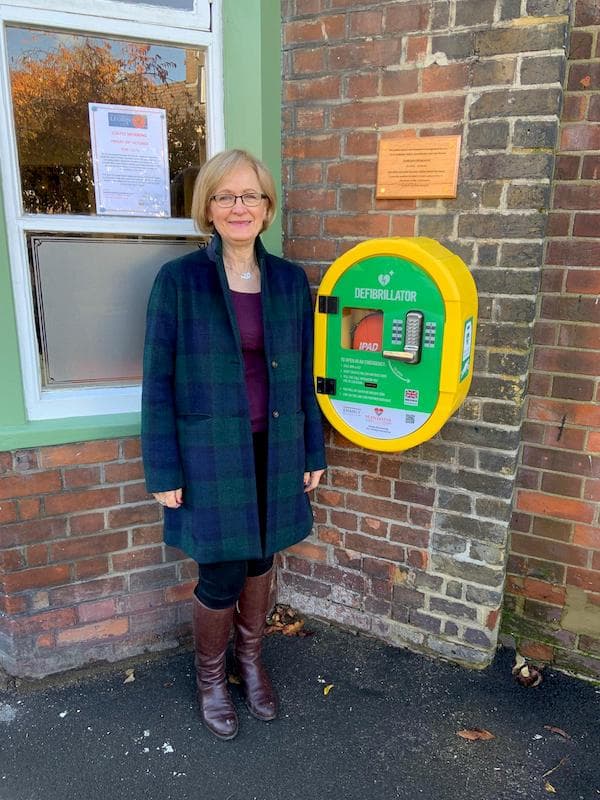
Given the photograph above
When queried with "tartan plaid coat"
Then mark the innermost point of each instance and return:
(196, 431)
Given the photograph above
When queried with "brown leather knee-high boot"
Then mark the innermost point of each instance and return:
(211, 635)
(249, 620)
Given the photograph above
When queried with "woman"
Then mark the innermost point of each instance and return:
(231, 431)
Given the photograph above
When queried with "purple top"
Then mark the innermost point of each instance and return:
(248, 310)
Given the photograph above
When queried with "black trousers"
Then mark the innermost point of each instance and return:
(220, 584)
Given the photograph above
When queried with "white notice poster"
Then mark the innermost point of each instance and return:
(131, 160)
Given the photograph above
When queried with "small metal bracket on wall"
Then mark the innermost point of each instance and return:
(328, 304)
(326, 386)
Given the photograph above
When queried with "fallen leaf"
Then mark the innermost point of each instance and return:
(586, 81)
(549, 788)
(234, 679)
(327, 689)
(475, 734)
(520, 662)
(130, 676)
(293, 628)
(560, 731)
(527, 675)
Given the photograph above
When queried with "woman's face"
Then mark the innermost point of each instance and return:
(239, 225)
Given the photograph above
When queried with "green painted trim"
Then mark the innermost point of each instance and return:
(252, 106)
(252, 110)
(63, 431)
(12, 400)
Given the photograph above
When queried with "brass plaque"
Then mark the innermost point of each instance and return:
(418, 167)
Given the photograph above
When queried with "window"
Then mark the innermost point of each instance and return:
(107, 103)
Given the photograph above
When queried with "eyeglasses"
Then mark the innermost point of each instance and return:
(248, 199)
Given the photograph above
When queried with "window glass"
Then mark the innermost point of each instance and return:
(90, 297)
(54, 76)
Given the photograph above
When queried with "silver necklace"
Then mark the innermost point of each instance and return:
(245, 276)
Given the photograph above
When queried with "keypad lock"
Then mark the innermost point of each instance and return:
(413, 338)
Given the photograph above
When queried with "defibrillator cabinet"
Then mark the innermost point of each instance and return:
(394, 340)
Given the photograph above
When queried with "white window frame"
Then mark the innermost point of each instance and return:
(111, 19)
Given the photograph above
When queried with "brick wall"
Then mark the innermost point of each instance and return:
(553, 586)
(412, 547)
(84, 575)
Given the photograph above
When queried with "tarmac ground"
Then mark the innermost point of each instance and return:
(385, 730)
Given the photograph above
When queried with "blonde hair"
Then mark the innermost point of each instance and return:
(214, 171)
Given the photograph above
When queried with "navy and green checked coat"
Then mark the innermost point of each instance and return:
(196, 431)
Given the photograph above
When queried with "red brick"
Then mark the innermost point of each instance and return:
(13, 605)
(358, 87)
(538, 590)
(128, 516)
(547, 549)
(99, 610)
(419, 559)
(322, 88)
(11, 560)
(552, 529)
(80, 453)
(594, 107)
(374, 526)
(420, 516)
(81, 476)
(446, 78)
(536, 652)
(587, 225)
(564, 438)
(387, 509)
(180, 593)
(365, 23)
(81, 501)
(37, 555)
(375, 547)
(566, 168)
(310, 118)
(313, 552)
(562, 410)
(136, 559)
(378, 568)
(400, 18)
(381, 487)
(584, 578)
(312, 146)
(352, 172)
(569, 388)
(305, 61)
(440, 109)
(136, 493)
(577, 196)
(132, 448)
(29, 484)
(121, 472)
(587, 536)
(365, 114)
(368, 54)
(96, 631)
(86, 523)
(416, 47)
(45, 640)
(361, 143)
(586, 281)
(573, 253)
(142, 601)
(355, 199)
(8, 511)
(329, 535)
(562, 360)
(29, 508)
(414, 493)
(324, 29)
(47, 621)
(37, 530)
(402, 226)
(91, 568)
(36, 578)
(310, 249)
(71, 549)
(370, 225)
(397, 82)
(343, 479)
(344, 521)
(591, 490)
(580, 336)
(584, 77)
(307, 173)
(405, 534)
(6, 463)
(591, 168)
(558, 225)
(147, 534)
(315, 199)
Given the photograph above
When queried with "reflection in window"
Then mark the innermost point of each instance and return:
(90, 297)
(185, 5)
(53, 78)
